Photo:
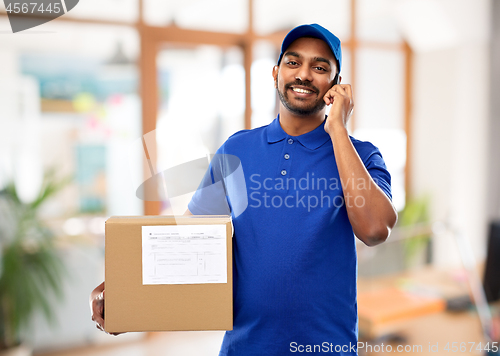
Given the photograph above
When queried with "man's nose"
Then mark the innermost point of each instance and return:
(304, 74)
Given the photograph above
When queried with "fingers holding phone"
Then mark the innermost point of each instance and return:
(341, 100)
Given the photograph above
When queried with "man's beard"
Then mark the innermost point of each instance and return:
(300, 110)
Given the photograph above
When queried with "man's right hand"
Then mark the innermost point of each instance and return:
(96, 301)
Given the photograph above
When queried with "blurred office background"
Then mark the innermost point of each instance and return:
(116, 91)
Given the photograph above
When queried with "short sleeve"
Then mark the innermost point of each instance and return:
(210, 197)
(222, 190)
(375, 164)
(378, 171)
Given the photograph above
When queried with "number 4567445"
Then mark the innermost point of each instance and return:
(32, 8)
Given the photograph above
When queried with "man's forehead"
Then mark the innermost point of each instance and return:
(302, 44)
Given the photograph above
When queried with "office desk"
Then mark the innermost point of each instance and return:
(425, 328)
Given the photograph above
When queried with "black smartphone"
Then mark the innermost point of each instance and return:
(336, 79)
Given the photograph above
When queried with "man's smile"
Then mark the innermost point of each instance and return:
(302, 90)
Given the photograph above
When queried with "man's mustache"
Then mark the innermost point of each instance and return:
(302, 83)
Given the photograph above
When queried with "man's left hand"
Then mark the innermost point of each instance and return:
(340, 97)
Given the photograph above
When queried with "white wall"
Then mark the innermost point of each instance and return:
(450, 124)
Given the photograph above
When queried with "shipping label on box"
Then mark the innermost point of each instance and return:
(184, 254)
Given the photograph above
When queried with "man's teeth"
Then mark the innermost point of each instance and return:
(305, 91)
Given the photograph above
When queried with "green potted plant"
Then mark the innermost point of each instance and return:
(31, 267)
(416, 215)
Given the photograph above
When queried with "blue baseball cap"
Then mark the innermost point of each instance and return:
(316, 31)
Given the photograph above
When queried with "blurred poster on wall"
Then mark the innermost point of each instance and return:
(91, 177)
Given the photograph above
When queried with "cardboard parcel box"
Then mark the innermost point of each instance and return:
(167, 273)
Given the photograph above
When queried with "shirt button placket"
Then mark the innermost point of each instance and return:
(286, 158)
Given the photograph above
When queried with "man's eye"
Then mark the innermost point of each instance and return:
(292, 63)
(321, 69)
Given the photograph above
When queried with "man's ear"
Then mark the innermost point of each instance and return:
(275, 75)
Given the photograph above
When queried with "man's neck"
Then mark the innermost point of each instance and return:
(296, 125)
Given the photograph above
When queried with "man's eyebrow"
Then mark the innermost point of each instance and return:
(321, 59)
(294, 54)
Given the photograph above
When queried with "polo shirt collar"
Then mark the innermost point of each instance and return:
(312, 140)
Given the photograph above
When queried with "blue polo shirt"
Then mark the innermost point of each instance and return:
(295, 264)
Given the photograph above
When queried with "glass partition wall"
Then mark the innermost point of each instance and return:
(376, 62)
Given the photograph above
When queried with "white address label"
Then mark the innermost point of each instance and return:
(184, 254)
